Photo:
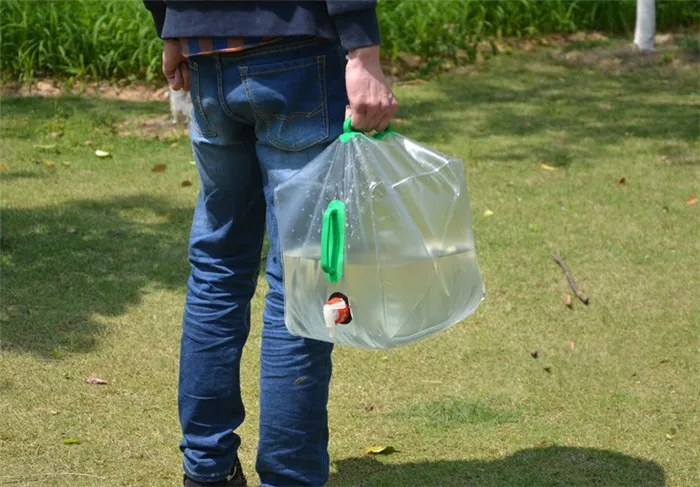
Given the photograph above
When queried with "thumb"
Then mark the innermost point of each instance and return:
(185, 72)
(175, 80)
(348, 112)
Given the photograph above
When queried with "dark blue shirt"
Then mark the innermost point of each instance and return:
(353, 22)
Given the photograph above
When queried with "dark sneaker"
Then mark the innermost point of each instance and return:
(234, 479)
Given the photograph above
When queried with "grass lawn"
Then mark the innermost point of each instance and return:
(94, 269)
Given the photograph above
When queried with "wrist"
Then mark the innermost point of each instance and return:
(364, 54)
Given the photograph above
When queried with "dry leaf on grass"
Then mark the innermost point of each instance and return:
(102, 154)
(622, 181)
(547, 167)
(95, 380)
(568, 301)
(380, 450)
(159, 168)
(692, 200)
(488, 213)
(186, 183)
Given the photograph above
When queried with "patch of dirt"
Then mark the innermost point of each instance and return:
(671, 52)
(157, 128)
(122, 90)
(587, 49)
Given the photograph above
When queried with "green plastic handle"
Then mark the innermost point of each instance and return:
(333, 240)
(349, 132)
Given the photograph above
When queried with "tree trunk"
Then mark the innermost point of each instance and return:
(645, 29)
(180, 105)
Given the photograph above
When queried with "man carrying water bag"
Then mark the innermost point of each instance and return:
(370, 232)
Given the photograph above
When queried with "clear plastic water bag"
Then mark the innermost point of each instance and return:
(377, 243)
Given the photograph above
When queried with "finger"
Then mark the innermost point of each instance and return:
(185, 70)
(348, 112)
(172, 81)
(393, 108)
(384, 123)
(359, 120)
(176, 83)
(374, 116)
(168, 69)
(388, 112)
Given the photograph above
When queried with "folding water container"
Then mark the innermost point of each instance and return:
(377, 243)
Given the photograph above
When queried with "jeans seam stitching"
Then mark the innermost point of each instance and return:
(322, 78)
(300, 114)
(279, 70)
(222, 98)
(243, 72)
(273, 49)
(197, 105)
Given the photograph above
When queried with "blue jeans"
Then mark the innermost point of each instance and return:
(259, 116)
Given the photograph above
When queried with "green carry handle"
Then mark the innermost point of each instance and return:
(349, 132)
(333, 241)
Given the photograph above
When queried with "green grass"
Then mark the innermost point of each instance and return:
(454, 413)
(94, 269)
(116, 39)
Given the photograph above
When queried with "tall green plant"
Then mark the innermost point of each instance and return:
(116, 38)
(83, 37)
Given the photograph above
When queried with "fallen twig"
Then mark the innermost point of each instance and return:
(560, 260)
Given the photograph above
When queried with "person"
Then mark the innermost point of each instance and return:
(271, 83)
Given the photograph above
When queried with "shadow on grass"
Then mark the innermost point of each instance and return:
(542, 467)
(66, 265)
(14, 175)
(101, 111)
(565, 104)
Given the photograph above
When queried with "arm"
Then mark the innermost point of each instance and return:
(355, 21)
(372, 104)
(175, 67)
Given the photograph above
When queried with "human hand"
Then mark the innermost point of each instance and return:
(372, 104)
(175, 67)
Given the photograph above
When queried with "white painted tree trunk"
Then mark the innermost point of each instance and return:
(180, 105)
(645, 29)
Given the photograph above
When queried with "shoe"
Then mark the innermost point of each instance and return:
(234, 479)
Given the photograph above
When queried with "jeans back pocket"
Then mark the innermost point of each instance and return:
(289, 99)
